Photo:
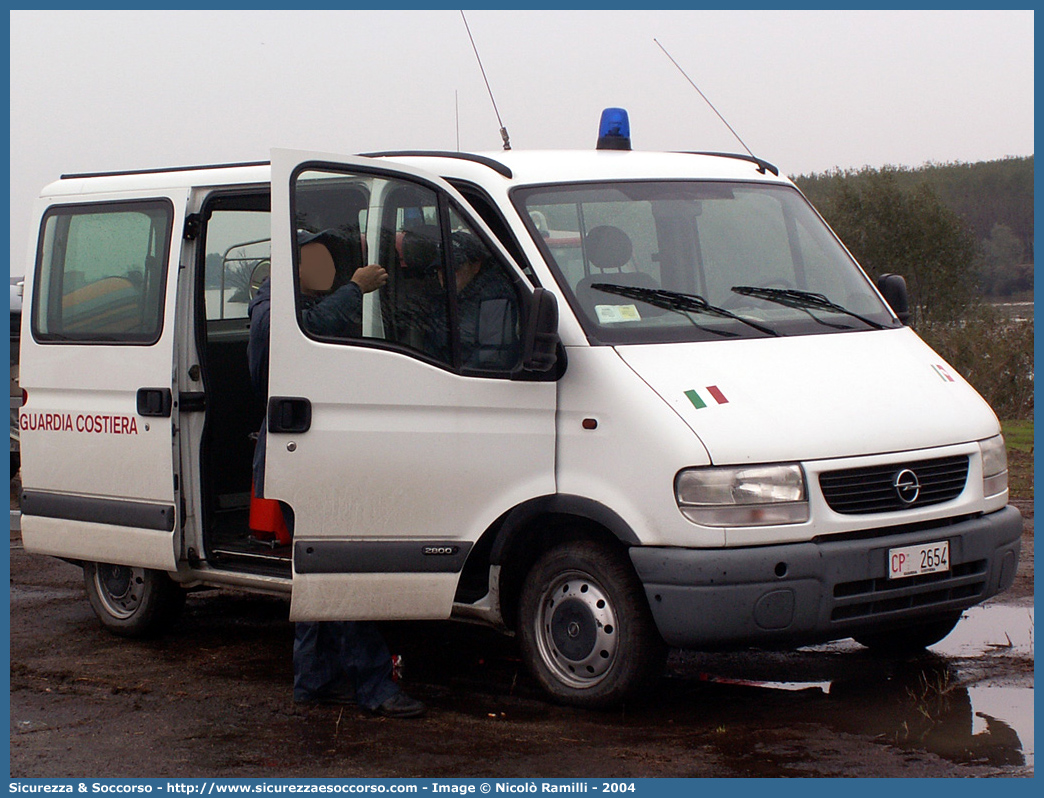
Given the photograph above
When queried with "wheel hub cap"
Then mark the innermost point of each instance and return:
(577, 630)
(116, 580)
(573, 629)
(120, 589)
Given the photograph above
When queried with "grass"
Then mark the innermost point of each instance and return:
(1019, 437)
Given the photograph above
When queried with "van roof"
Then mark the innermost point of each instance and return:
(526, 167)
(156, 179)
(517, 167)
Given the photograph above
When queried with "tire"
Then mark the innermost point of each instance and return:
(910, 639)
(132, 602)
(586, 631)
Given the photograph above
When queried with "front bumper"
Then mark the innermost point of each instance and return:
(803, 593)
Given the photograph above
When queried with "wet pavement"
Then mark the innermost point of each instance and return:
(212, 698)
(969, 699)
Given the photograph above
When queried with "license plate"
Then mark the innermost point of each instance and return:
(928, 558)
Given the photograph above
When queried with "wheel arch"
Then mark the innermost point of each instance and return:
(518, 538)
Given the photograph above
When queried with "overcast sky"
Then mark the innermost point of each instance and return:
(808, 91)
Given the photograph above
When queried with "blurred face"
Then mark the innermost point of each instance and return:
(317, 268)
(465, 273)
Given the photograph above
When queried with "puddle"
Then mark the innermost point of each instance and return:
(929, 703)
(996, 627)
(1014, 705)
(795, 687)
(922, 706)
(915, 706)
(1001, 730)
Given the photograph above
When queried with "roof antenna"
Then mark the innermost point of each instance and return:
(503, 130)
(704, 96)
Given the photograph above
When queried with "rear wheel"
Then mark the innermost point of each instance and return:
(586, 631)
(910, 639)
(132, 602)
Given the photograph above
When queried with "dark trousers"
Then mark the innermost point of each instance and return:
(334, 655)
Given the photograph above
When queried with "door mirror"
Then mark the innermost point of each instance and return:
(893, 289)
(540, 343)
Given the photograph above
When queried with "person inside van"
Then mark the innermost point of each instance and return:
(334, 661)
(487, 306)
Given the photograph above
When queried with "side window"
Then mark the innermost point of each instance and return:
(101, 273)
(238, 251)
(446, 298)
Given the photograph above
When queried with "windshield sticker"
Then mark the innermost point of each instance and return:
(614, 314)
(713, 391)
(944, 375)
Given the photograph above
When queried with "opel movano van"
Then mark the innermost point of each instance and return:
(610, 401)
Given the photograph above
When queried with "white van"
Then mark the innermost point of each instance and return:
(702, 425)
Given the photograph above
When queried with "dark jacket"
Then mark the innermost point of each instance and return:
(487, 312)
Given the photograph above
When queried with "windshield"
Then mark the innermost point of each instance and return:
(647, 262)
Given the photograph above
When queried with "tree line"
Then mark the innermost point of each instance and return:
(993, 201)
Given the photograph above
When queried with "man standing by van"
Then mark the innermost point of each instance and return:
(331, 658)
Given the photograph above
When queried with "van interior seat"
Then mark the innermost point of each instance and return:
(610, 249)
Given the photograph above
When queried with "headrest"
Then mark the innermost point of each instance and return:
(608, 247)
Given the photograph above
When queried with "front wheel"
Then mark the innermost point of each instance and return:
(910, 639)
(586, 632)
(132, 602)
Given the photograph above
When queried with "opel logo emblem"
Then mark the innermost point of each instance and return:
(907, 486)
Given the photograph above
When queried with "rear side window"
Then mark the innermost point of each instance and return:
(101, 273)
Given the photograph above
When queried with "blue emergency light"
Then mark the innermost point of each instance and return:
(614, 131)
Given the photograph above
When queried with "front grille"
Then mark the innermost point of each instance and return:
(859, 491)
(870, 597)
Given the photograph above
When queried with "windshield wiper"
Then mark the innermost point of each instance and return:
(686, 303)
(806, 301)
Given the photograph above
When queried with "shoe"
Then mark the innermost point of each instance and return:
(401, 705)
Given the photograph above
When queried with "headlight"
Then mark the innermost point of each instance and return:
(994, 466)
(743, 495)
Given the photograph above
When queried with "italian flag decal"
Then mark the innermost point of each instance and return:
(711, 391)
(944, 375)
